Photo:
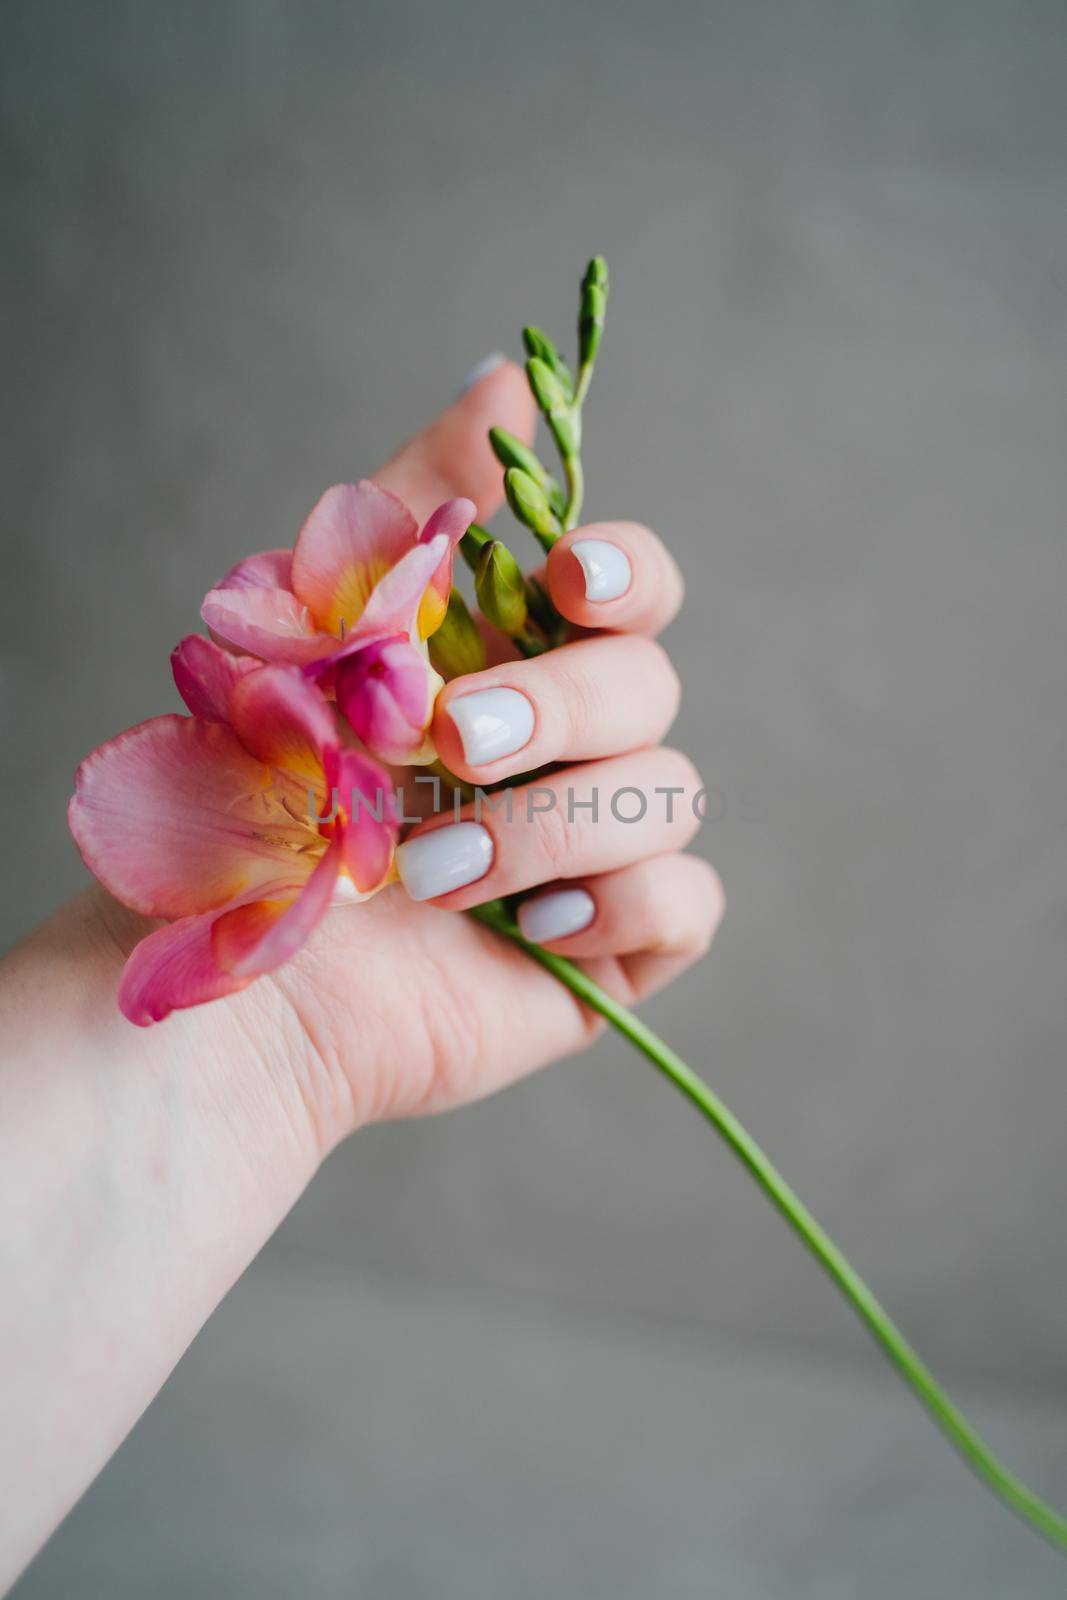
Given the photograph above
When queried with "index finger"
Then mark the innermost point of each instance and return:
(452, 457)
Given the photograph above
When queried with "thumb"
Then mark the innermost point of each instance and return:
(452, 456)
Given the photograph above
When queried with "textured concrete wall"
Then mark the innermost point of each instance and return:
(252, 246)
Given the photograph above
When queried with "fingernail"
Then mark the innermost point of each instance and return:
(606, 568)
(481, 369)
(449, 857)
(492, 723)
(555, 915)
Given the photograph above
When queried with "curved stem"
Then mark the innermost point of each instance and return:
(1015, 1494)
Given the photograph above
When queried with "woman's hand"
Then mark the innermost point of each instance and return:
(398, 1007)
(141, 1169)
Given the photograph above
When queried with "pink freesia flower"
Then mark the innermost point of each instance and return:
(239, 824)
(299, 607)
(353, 605)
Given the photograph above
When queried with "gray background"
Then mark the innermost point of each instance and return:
(557, 1344)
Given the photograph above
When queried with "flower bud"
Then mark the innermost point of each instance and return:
(530, 504)
(538, 344)
(566, 428)
(501, 589)
(457, 647)
(473, 543)
(562, 417)
(511, 452)
(590, 323)
(547, 389)
(387, 692)
(596, 275)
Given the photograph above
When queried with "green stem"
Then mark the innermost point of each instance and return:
(572, 466)
(585, 378)
(1015, 1494)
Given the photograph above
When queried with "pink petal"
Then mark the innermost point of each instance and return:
(394, 605)
(393, 610)
(367, 823)
(174, 968)
(206, 674)
(271, 569)
(386, 691)
(284, 720)
(176, 817)
(354, 535)
(453, 518)
(269, 623)
(257, 937)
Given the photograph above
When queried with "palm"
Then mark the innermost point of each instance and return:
(409, 1009)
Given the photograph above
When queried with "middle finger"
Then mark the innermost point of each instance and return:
(597, 697)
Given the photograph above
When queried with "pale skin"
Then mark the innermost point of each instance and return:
(142, 1169)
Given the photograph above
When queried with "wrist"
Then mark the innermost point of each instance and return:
(242, 1067)
(143, 1171)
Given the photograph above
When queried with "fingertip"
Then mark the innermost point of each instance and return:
(480, 724)
(480, 370)
(615, 575)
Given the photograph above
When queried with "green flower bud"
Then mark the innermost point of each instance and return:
(590, 323)
(566, 428)
(547, 389)
(501, 589)
(530, 504)
(556, 497)
(511, 452)
(538, 344)
(596, 275)
(457, 647)
(472, 544)
(562, 417)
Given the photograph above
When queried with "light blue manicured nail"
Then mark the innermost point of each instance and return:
(482, 369)
(492, 723)
(448, 858)
(556, 915)
(605, 567)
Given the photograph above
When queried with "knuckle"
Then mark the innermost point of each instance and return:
(585, 705)
(553, 837)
